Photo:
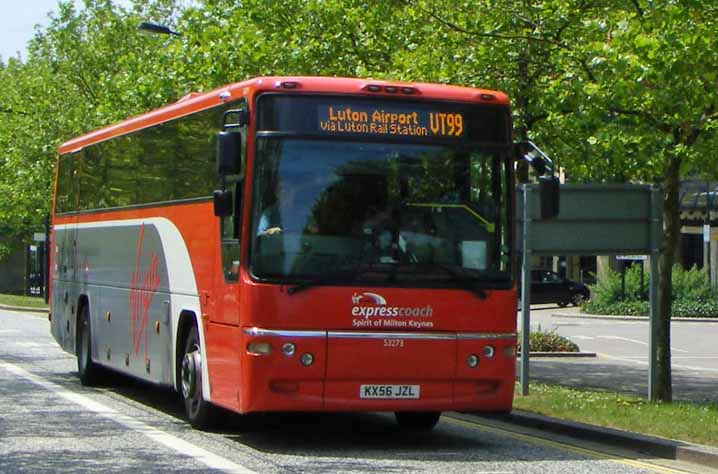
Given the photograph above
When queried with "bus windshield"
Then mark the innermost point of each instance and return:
(354, 212)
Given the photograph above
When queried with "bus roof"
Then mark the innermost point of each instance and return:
(196, 102)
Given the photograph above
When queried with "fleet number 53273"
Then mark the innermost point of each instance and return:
(393, 342)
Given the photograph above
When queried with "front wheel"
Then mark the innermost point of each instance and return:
(417, 420)
(90, 373)
(200, 413)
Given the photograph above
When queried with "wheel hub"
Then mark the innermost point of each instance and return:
(191, 369)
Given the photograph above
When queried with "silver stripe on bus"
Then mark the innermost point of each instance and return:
(391, 335)
(283, 333)
(378, 335)
(485, 335)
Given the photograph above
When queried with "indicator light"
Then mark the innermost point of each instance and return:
(307, 359)
(288, 349)
(510, 351)
(259, 348)
(472, 361)
(489, 351)
(487, 97)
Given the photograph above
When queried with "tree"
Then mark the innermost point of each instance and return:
(652, 84)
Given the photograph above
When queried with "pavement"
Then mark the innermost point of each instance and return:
(584, 370)
(24, 309)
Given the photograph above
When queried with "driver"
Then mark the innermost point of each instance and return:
(293, 209)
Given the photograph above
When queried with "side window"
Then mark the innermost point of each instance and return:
(230, 227)
(66, 184)
(93, 179)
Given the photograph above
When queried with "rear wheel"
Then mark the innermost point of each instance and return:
(200, 413)
(417, 420)
(90, 373)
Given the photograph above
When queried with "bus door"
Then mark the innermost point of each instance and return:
(223, 332)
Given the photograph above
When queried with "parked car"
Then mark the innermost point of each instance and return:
(550, 287)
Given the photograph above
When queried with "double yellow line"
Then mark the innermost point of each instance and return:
(565, 447)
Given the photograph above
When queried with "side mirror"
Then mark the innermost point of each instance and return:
(549, 195)
(229, 153)
(223, 203)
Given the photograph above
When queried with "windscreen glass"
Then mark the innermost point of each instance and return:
(428, 212)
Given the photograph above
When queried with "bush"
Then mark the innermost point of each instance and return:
(617, 308)
(549, 342)
(693, 295)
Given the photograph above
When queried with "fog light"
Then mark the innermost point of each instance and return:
(288, 349)
(489, 351)
(259, 348)
(472, 361)
(307, 359)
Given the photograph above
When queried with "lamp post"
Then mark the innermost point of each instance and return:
(707, 231)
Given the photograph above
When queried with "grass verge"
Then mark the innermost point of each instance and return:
(691, 422)
(25, 301)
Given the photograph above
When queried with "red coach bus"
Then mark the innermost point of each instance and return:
(296, 244)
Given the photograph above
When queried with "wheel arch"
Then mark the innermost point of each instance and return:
(83, 301)
(187, 319)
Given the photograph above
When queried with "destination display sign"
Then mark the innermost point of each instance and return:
(391, 121)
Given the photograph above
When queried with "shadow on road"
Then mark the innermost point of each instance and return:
(602, 373)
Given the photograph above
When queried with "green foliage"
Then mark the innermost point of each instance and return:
(22, 301)
(549, 341)
(691, 422)
(693, 295)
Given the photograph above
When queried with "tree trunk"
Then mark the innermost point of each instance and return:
(663, 388)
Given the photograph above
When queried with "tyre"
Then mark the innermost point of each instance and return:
(578, 299)
(90, 373)
(417, 420)
(200, 413)
(562, 304)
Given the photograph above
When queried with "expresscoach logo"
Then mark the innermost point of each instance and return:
(368, 305)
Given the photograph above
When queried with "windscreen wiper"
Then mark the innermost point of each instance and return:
(463, 277)
(311, 283)
(308, 284)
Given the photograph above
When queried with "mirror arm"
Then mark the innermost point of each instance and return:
(543, 156)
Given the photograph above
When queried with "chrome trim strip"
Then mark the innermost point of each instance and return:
(380, 335)
(390, 335)
(283, 333)
(485, 335)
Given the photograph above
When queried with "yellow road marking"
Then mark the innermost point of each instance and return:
(568, 447)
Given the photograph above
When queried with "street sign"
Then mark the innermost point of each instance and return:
(38, 236)
(593, 220)
(631, 257)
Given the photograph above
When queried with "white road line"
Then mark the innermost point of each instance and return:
(644, 362)
(181, 446)
(636, 341)
(31, 345)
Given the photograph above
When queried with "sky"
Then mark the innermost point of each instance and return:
(18, 20)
